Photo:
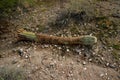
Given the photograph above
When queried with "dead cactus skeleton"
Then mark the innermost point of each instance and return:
(44, 38)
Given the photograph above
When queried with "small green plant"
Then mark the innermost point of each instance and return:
(9, 6)
(104, 23)
(117, 46)
(116, 55)
(6, 6)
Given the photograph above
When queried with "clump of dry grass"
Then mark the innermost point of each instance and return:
(82, 5)
(76, 11)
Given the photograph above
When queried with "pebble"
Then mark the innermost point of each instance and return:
(63, 72)
(78, 50)
(55, 45)
(20, 52)
(75, 35)
(55, 62)
(61, 64)
(67, 50)
(112, 66)
(90, 60)
(102, 58)
(46, 46)
(36, 67)
(42, 47)
(71, 74)
(80, 53)
(35, 47)
(101, 75)
(37, 28)
(52, 64)
(107, 64)
(108, 78)
(18, 66)
(82, 49)
(85, 69)
(63, 57)
(72, 63)
(59, 48)
(62, 35)
(93, 53)
(84, 63)
(26, 56)
(106, 74)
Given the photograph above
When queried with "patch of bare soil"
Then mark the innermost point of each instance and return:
(57, 62)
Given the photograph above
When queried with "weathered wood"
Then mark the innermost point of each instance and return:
(44, 38)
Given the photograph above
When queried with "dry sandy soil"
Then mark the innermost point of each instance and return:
(61, 62)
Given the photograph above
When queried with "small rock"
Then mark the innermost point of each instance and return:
(93, 53)
(101, 75)
(80, 53)
(51, 35)
(72, 63)
(71, 74)
(84, 63)
(26, 56)
(85, 69)
(78, 50)
(18, 66)
(63, 72)
(20, 52)
(102, 58)
(112, 66)
(37, 29)
(55, 62)
(55, 45)
(59, 48)
(63, 57)
(90, 60)
(36, 67)
(75, 35)
(61, 64)
(67, 50)
(108, 78)
(82, 49)
(42, 47)
(46, 46)
(107, 64)
(35, 48)
(106, 74)
(85, 24)
(52, 64)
